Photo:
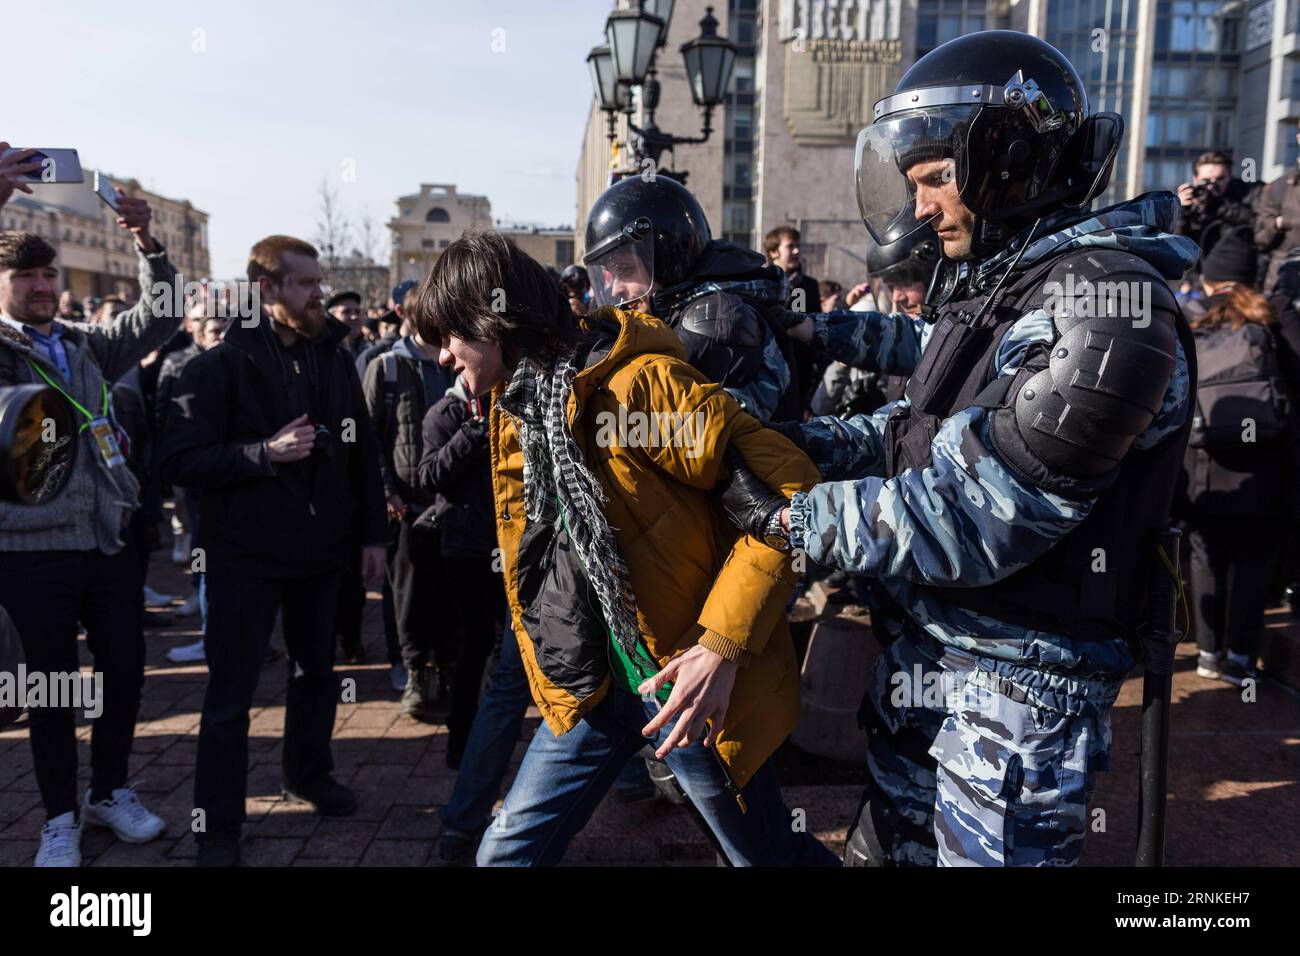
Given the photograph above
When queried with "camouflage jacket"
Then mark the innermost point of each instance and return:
(888, 344)
(966, 520)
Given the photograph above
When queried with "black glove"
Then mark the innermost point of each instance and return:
(747, 499)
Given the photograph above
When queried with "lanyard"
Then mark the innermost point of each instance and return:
(75, 404)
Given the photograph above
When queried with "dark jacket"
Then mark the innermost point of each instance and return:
(455, 467)
(1233, 211)
(1279, 198)
(261, 519)
(731, 318)
(372, 352)
(399, 386)
(1254, 479)
(168, 376)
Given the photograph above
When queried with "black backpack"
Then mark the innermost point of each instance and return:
(1240, 388)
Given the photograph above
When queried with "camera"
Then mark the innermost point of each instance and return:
(38, 444)
(324, 444)
(1200, 191)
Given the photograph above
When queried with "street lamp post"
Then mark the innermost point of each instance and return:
(634, 38)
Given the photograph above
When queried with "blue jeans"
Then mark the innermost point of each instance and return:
(492, 739)
(563, 779)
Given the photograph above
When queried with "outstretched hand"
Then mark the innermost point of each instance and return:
(702, 683)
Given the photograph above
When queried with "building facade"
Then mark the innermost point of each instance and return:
(428, 222)
(551, 246)
(95, 255)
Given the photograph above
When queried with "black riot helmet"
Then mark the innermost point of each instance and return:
(642, 231)
(1004, 116)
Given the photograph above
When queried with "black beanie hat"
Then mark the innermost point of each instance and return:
(1231, 259)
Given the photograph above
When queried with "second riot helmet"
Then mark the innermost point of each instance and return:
(642, 232)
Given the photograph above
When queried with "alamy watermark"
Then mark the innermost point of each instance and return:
(55, 690)
(637, 429)
(1083, 299)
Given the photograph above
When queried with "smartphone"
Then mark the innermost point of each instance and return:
(104, 190)
(57, 166)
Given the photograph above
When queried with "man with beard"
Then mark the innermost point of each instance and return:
(270, 425)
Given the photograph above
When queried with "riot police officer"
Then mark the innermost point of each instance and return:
(649, 247)
(1010, 500)
(873, 350)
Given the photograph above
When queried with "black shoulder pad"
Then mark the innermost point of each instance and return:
(1107, 373)
(723, 338)
(725, 318)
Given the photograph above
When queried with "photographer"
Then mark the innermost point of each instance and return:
(1215, 201)
(68, 562)
(270, 426)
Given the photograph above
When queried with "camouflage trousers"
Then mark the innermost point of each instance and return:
(964, 774)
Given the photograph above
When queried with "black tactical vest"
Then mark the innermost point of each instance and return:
(1066, 591)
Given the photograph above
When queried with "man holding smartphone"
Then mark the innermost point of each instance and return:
(271, 428)
(68, 561)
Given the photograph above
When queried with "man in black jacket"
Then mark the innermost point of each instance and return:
(399, 386)
(270, 425)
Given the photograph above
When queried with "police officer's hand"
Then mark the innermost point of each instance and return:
(746, 498)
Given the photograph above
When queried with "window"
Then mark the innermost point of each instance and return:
(564, 251)
(437, 214)
(426, 243)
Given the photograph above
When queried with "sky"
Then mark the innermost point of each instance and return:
(245, 107)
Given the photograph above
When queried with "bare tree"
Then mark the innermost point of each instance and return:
(333, 232)
(371, 246)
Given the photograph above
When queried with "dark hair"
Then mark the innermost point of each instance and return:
(267, 257)
(484, 288)
(25, 250)
(772, 241)
(1215, 157)
(828, 287)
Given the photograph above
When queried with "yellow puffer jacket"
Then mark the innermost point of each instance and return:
(695, 578)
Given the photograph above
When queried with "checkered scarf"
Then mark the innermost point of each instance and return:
(561, 490)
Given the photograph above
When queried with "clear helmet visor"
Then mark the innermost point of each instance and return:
(622, 268)
(896, 153)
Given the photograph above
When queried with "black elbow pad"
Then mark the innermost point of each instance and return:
(1067, 426)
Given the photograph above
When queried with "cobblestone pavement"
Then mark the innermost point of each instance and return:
(1234, 776)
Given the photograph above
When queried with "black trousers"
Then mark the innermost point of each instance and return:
(351, 606)
(423, 615)
(480, 599)
(1232, 563)
(46, 594)
(241, 616)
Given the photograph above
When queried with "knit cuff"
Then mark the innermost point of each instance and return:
(726, 648)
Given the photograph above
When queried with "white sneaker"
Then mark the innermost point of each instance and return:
(397, 677)
(60, 842)
(181, 549)
(190, 607)
(153, 598)
(1209, 666)
(125, 815)
(188, 653)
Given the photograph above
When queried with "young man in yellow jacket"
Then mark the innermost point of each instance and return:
(641, 615)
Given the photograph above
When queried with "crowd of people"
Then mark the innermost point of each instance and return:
(933, 435)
